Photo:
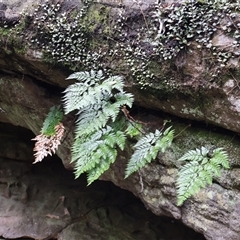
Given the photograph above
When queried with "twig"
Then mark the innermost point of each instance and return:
(130, 118)
(189, 125)
(235, 81)
(141, 181)
(145, 20)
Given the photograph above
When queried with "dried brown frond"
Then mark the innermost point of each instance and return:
(47, 145)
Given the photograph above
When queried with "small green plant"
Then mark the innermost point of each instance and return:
(98, 101)
(101, 132)
(201, 167)
(147, 148)
(100, 129)
(93, 153)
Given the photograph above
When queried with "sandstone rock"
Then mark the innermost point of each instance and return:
(192, 86)
(43, 201)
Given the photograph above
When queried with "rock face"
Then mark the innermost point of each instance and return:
(43, 201)
(195, 79)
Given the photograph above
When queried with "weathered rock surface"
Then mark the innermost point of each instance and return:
(29, 86)
(155, 185)
(43, 201)
(189, 93)
(213, 211)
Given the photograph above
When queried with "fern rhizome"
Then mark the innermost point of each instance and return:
(103, 126)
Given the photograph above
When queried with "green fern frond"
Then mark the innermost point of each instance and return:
(120, 139)
(123, 98)
(95, 148)
(81, 95)
(94, 173)
(111, 111)
(84, 145)
(73, 95)
(116, 82)
(92, 119)
(98, 101)
(166, 140)
(220, 157)
(114, 139)
(133, 129)
(213, 169)
(53, 118)
(194, 154)
(187, 174)
(147, 148)
(199, 171)
(88, 78)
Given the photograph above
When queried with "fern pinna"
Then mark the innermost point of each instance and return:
(53, 118)
(98, 101)
(201, 167)
(147, 148)
(94, 153)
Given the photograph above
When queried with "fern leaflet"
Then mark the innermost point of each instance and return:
(91, 119)
(82, 94)
(147, 148)
(90, 151)
(199, 171)
(87, 78)
(99, 169)
(133, 129)
(53, 118)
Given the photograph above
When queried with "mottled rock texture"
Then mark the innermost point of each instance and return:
(44, 201)
(192, 86)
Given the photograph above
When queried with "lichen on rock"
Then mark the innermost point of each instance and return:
(181, 57)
